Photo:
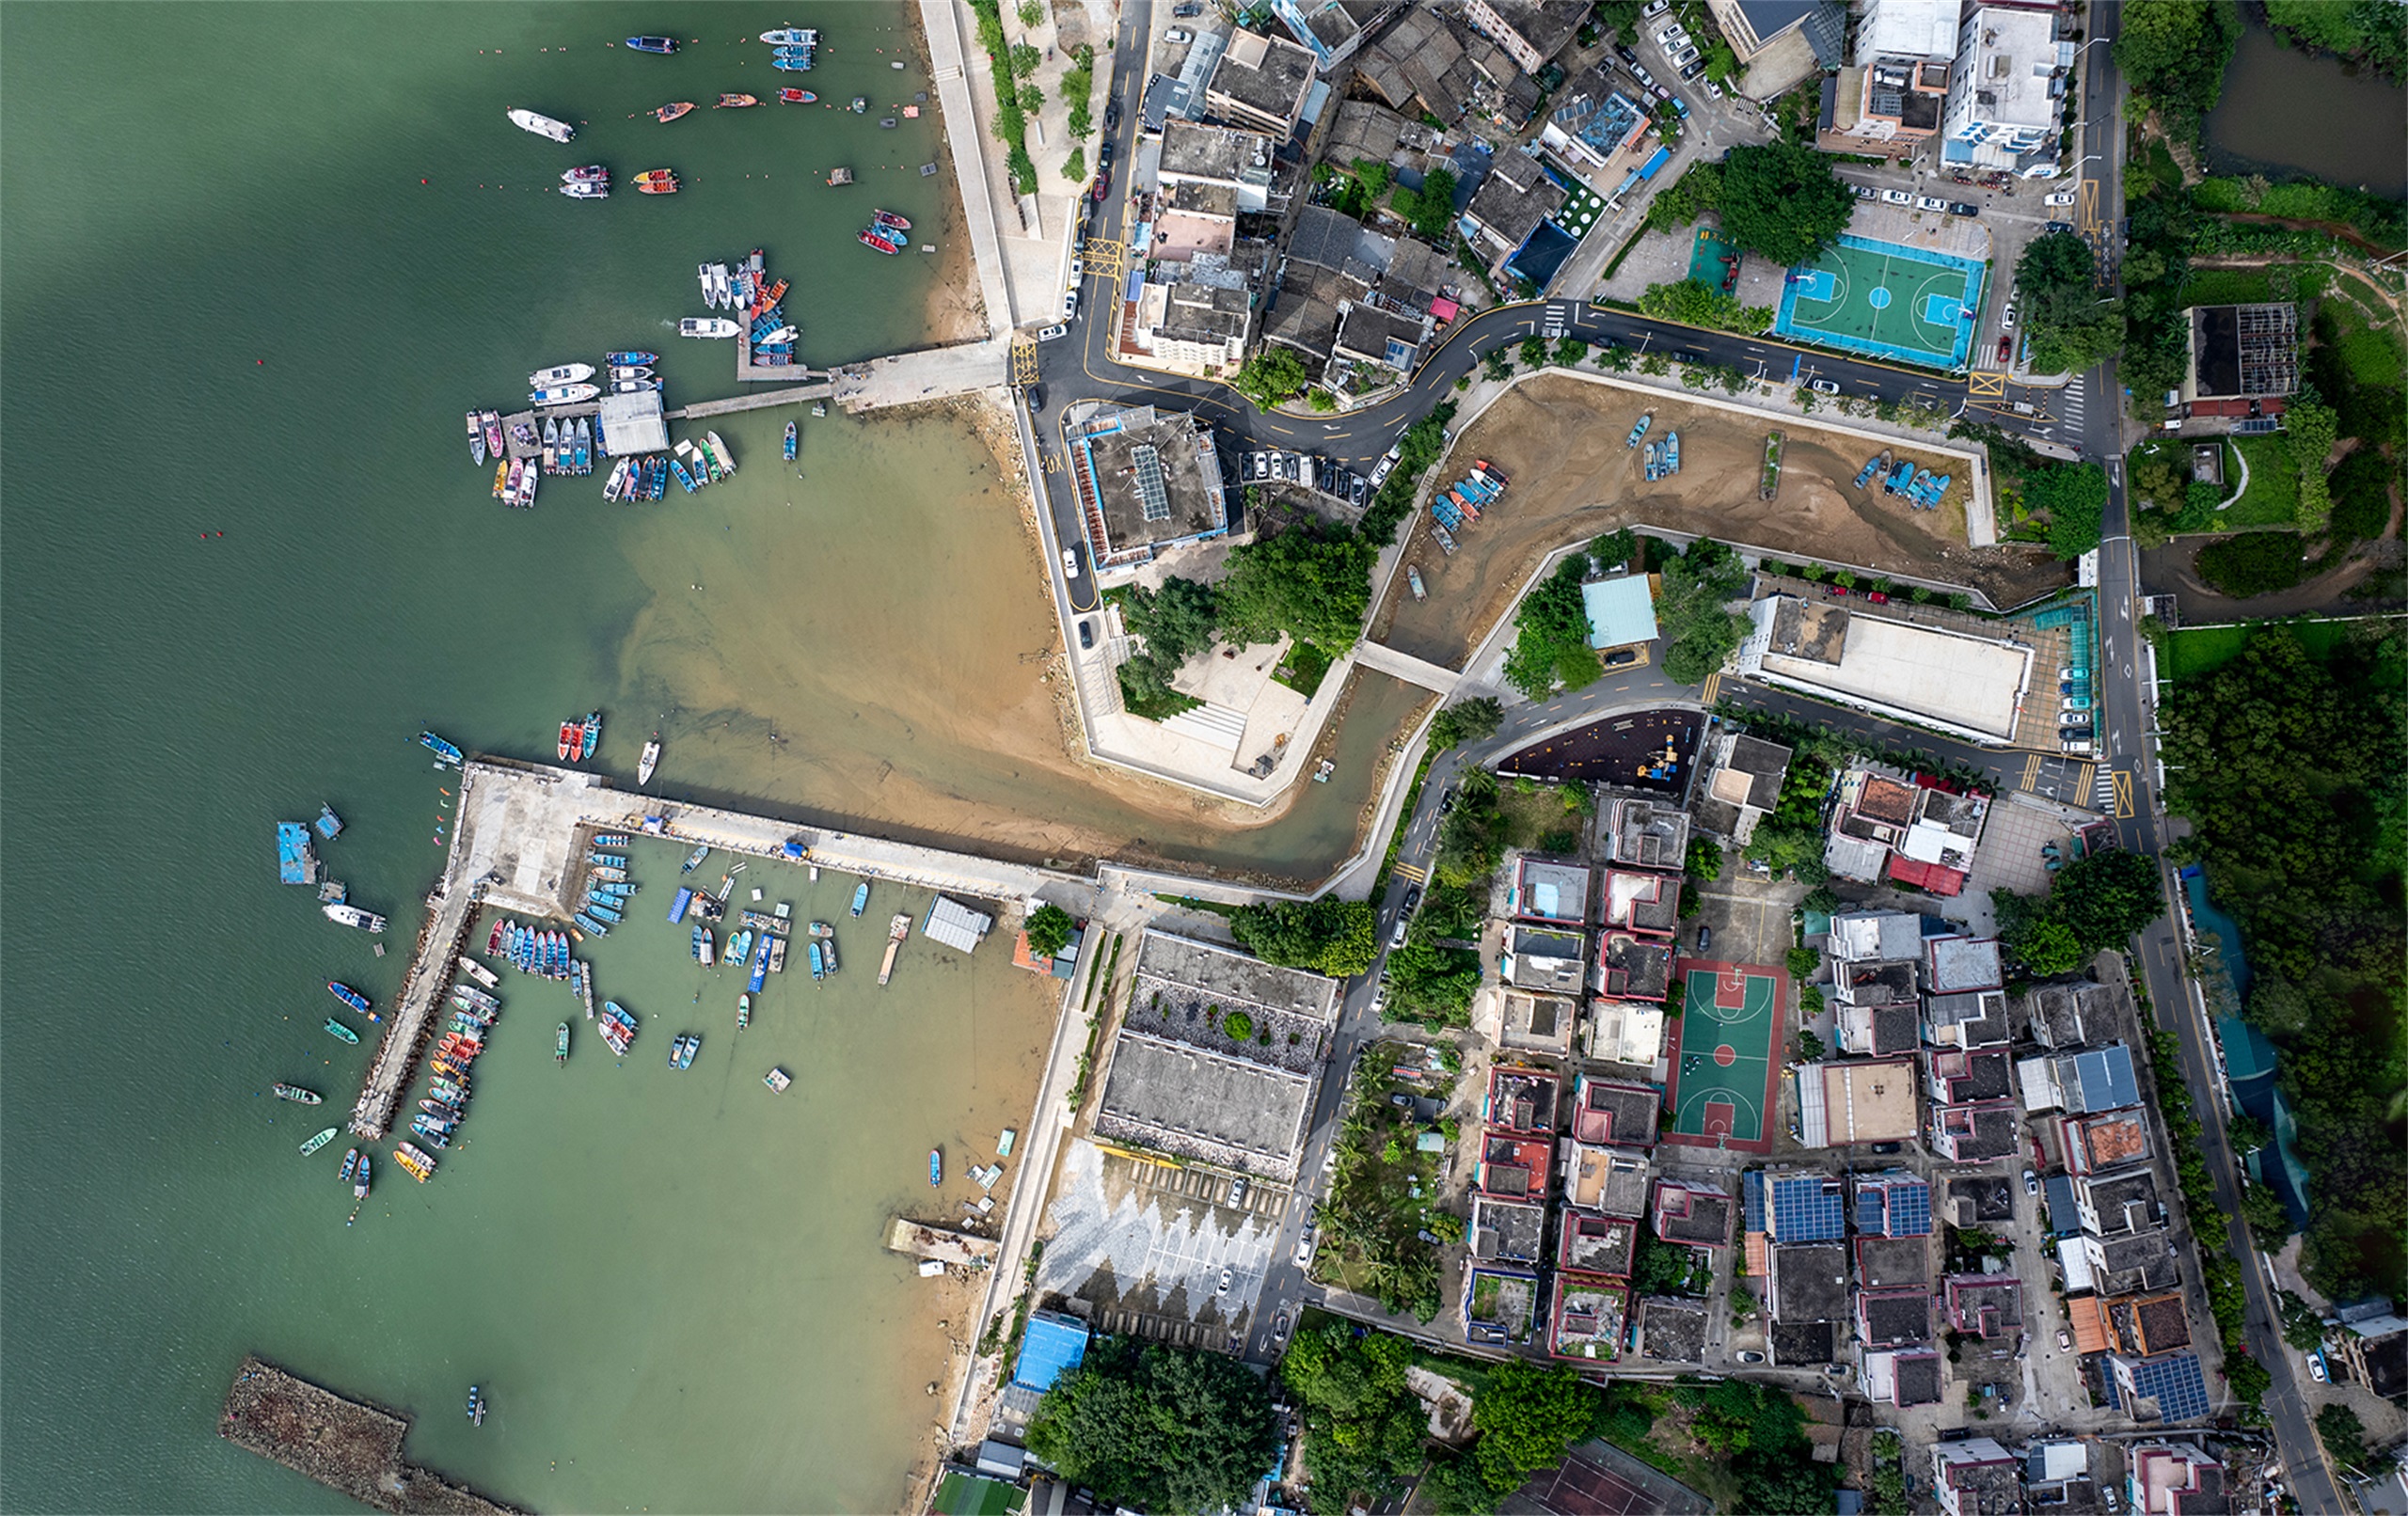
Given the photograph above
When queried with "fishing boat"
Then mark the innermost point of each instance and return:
(694, 859)
(589, 174)
(777, 955)
(796, 97)
(720, 454)
(476, 438)
(656, 182)
(867, 240)
(543, 126)
(1671, 452)
(629, 359)
(350, 1165)
(350, 997)
(681, 1049)
(778, 1080)
(551, 444)
(775, 338)
(588, 925)
(819, 964)
(612, 486)
(792, 36)
(1645, 420)
(564, 394)
(319, 1141)
(650, 761)
(707, 326)
(683, 479)
(647, 44)
(704, 946)
(413, 1162)
(1653, 455)
(344, 915)
(560, 1044)
(888, 235)
(586, 189)
(721, 287)
(584, 445)
(792, 60)
(743, 1012)
(593, 741)
(828, 952)
(673, 110)
(572, 735)
(501, 480)
(790, 439)
(936, 1167)
(736, 103)
(337, 1029)
(298, 1096)
(888, 218)
(491, 420)
(359, 1182)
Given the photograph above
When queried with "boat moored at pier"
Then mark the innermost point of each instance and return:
(346, 915)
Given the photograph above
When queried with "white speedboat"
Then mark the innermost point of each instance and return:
(650, 761)
(564, 394)
(621, 371)
(565, 374)
(792, 36)
(707, 326)
(543, 126)
(586, 192)
(783, 334)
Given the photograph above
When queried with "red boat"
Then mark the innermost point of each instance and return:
(493, 943)
(673, 110)
(572, 741)
(888, 218)
(796, 97)
(882, 246)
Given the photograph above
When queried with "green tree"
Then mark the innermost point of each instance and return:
(1074, 168)
(1157, 1427)
(1271, 376)
(1031, 14)
(1049, 930)
(1466, 720)
(1780, 200)
(1528, 1418)
(1692, 612)
(1337, 938)
(2303, 1328)
(1363, 1427)
(1700, 305)
(1313, 585)
(1534, 352)
(1705, 861)
(1614, 549)
(2174, 51)
(2343, 1434)
(2048, 947)
(2074, 496)
(1032, 100)
(1239, 1026)
(1552, 641)
(1432, 208)
(1691, 195)
(1374, 177)
(1176, 621)
(1810, 1048)
(2248, 1378)
(1024, 57)
(2310, 431)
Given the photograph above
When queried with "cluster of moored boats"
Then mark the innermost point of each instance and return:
(792, 49)
(593, 182)
(1458, 503)
(886, 233)
(607, 888)
(747, 288)
(1921, 488)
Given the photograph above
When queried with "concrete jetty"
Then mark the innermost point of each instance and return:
(350, 1446)
(520, 832)
(917, 1240)
(763, 401)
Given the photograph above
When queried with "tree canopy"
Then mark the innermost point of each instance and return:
(1701, 305)
(2174, 51)
(1691, 613)
(1552, 643)
(1781, 199)
(2097, 902)
(1527, 1417)
(1338, 938)
(2074, 496)
(1466, 720)
(1275, 373)
(1432, 208)
(1048, 929)
(1313, 586)
(1363, 1427)
(2071, 321)
(1158, 1428)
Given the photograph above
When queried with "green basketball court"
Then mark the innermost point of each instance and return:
(1723, 1056)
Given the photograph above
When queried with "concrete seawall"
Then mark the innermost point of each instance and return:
(350, 1446)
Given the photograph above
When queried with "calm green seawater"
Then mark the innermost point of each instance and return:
(228, 305)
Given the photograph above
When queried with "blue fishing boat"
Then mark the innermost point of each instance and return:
(694, 859)
(936, 1167)
(602, 911)
(1671, 452)
(329, 824)
(350, 997)
(1878, 464)
(860, 897)
(442, 750)
(1645, 420)
(760, 965)
(789, 442)
(610, 861)
(346, 1034)
(350, 1164)
(588, 924)
(584, 445)
(648, 44)
(739, 946)
(630, 360)
(612, 839)
(818, 965)
(684, 478)
(296, 862)
(702, 946)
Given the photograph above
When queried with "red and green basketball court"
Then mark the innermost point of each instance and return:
(1724, 1065)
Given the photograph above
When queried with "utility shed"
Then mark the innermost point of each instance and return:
(956, 924)
(632, 423)
(1620, 611)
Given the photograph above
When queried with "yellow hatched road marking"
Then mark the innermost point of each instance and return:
(2031, 772)
(2123, 793)
(2088, 204)
(2089, 776)
(1986, 383)
(1713, 685)
(1412, 872)
(1024, 364)
(1108, 259)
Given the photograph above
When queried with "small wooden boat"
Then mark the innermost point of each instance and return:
(727, 103)
(673, 110)
(343, 1032)
(888, 218)
(560, 1046)
(298, 1096)
(319, 1141)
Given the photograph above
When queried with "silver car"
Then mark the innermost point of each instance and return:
(1262, 466)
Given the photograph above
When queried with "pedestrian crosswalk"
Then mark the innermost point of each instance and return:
(2070, 405)
(2103, 789)
(1413, 873)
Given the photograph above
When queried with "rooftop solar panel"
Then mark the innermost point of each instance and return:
(1147, 465)
(1910, 1210)
(1751, 1194)
(1808, 1208)
(2180, 1390)
(1870, 1207)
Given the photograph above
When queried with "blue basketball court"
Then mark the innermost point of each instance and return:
(1885, 300)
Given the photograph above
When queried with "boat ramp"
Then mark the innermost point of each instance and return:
(350, 1446)
(918, 1239)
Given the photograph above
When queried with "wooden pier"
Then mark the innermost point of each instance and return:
(350, 1446)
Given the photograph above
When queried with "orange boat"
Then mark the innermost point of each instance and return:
(769, 296)
(656, 182)
(673, 110)
(731, 101)
(796, 97)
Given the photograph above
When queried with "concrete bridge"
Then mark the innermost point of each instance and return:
(1407, 667)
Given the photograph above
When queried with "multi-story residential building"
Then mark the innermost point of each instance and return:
(2005, 87)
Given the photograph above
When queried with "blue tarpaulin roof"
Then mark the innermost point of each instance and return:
(1647, 169)
(1053, 1343)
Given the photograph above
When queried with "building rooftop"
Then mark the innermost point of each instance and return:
(1206, 1105)
(1642, 902)
(1154, 478)
(1542, 959)
(2118, 1204)
(1168, 962)
(1625, 1032)
(2243, 352)
(1696, 1214)
(2105, 1140)
(1510, 202)
(1879, 1031)
(1963, 683)
(1218, 154)
(1893, 1262)
(1988, 1305)
(1802, 1342)
(2146, 1325)
(1893, 1204)
(1956, 965)
(1367, 129)
(1644, 833)
(1423, 61)
(1809, 1281)
(1877, 936)
(1587, 1318)
(1751, 773)
(1499, 1304)
(1622, 613)
(1507, 1230)
(1512, 1167)
(1530, 29)
(2009, 65)
(1805, 1207)
(1545, 891)
(1609, 1179)
(1521, 1100)
(2129, 1264)
(1328, 239)
(2068, 1016)
(631, 424)
(1974, 1133)
(1903, 1379)
(1895, 1317)
(1262, 81)
(1970, 1019)
(1960, 1077)
(1894, 982)
(1672, 1330)
(1370, 334)
(2164, 1389)
(1841, 1103)
(1633, 968)
(1537, 1023)
(1593, 1244)
(1604, 1110)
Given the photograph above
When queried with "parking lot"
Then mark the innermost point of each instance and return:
(1149, 1245)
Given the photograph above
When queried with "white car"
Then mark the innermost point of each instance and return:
(2060, 198)
(1866, 191)
(1179, 34)
(1228, 1277)
(1823, 386)
(1052, 332)
(1070, 563)
(1713, 89)
(1927, 202)
(1897, 196)
(1070, 305)
(1078, 268)
(1262, 466)
(2006, 318)
(2316, 1369)
(1381, 471)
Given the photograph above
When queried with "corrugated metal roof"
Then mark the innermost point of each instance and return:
(955, 925)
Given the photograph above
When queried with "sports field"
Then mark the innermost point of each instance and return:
(1885, 300)
(1724, 1054)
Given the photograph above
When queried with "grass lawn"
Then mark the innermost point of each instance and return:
(2272, 498)
(962, 1494)
(1302, 670)
(2199, 650)
(1528, 817)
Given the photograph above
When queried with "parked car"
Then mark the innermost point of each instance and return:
(2076, 702)
(1279, 1327)
(1748, 1356)
(2006, 317)
(1960, 208)
(1897, 196)
(1877, 597)
(1687, 56)
(1102, 185)
(1625, 52)
(1380, 471)
(1111, 113)
(2074, 733)
(1930, 202)
(1840, 589)
(2064, 1337)
(1179, 34)
(1070, 305)
(1052, 332)
(1666, 34)
(1713, 89)
(1396, 937)
(1229, 1276)
(1695, 68)
(1186, 8)
(1103, 152)
(1620, 656)
(1886, 1148)
(1087, 634)
(2056, 226)
(2316, 1370)
(1261, 465)
(1654, 8)
(1823, 386)
(1078, 268)
(1640, 72)
(1866, 191)
(1704, 936)
(1412, 898)
(2060, 198)
(1070, 563)
(2031, 1182)
(1237, 1190)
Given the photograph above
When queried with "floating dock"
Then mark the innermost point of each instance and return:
(350, 1446)
(918, 1239)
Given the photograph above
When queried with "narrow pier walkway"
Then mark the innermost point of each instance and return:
(1407, 667)
(764, 399)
